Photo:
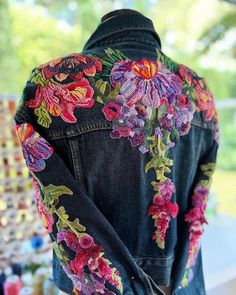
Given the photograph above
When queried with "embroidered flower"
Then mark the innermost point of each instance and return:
(196, 219)
(162, 209)
(86, 241)
(111, 111)
(70, 239)
(35, 148)
(60, 100)
(47, 218)
(204, 97)
(145, 81)
(74, 66)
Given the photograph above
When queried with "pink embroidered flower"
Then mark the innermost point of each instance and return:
(86, 241)
(84, 255)
(195, 214)
(183, 101)
(104, 268)
(35, 148)
(60, 100)
(111, 111)
(166, 188)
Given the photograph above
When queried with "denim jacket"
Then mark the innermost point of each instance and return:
(121, 143)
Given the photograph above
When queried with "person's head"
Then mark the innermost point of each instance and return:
(117, 12)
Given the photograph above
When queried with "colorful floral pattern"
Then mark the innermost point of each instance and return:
(196, 219)
(35, 148)
(152, 103)
(155, 103)
(62, 86)
(87, 252)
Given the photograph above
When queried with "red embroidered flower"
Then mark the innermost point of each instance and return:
(83, 256)
(205, 102)
(74, 65)
(162, 209)
(186, 73)
(103, 268)
(60, 100)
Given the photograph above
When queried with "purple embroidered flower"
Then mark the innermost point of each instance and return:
(158, 132)
(70, 239)
(133, 122)
(61, 235)
(143, 149)
(167, 122)
(146, 81)
(138, 138)
(119, 131)
(35, 148)
(166, 189)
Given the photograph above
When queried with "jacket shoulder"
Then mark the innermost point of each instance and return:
(196, 87)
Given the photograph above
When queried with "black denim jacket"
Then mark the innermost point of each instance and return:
(121, 144)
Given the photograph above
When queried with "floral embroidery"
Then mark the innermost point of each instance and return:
(47, 219)
(87, 252)
(196, 219)
(35, 148)
(62, 87)
(205, 99)
(152, 103)
(146, 81)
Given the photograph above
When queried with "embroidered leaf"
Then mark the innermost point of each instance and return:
(62, 213)
(61, 254)
(53, 191)
(113, 94)
(44, 118)
(76, 224)
(115, 54)
(103, 86)
(37, 77)
(171, 65)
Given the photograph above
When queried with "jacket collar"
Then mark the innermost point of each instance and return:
(124, 30)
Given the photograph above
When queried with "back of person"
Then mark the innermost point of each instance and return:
(121, 142)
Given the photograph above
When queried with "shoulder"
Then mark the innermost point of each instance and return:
(75, 65)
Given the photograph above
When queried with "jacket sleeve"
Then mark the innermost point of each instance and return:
(195, 216)
(86, 245)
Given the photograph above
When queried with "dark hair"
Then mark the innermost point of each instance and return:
(118, 12)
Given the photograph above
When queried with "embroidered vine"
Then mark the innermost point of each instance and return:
(196, 219)
(87, 253)
(152, 104)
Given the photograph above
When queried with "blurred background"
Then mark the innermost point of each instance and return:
(198, 33)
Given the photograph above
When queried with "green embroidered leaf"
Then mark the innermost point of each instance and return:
(52, 192)
(37, 77)
(60, 252)
(76, 224)
(170, 64)
(103, 86)
(62, 213)
(55, 191)
(116, 90)
(44, 118)
(115, 54)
